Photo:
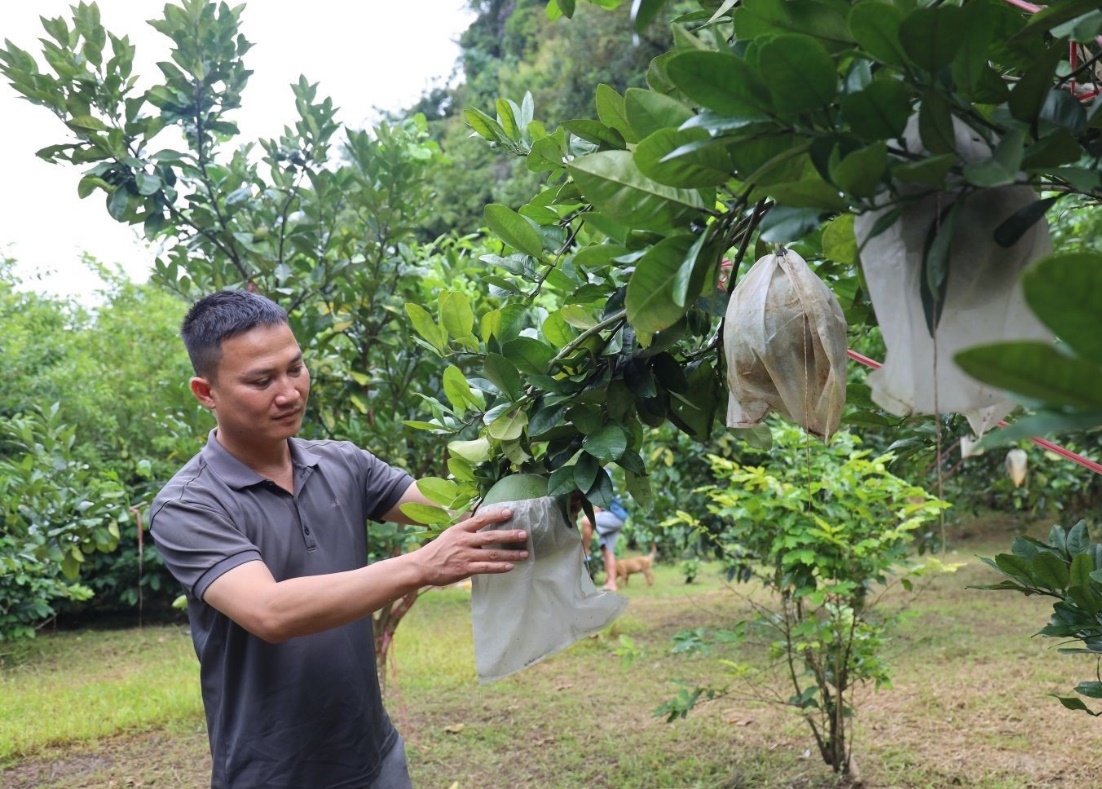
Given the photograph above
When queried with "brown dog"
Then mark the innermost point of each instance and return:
(636, 564)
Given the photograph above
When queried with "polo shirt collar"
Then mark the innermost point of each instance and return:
(238, 475)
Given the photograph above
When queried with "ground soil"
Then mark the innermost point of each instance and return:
(959, 714)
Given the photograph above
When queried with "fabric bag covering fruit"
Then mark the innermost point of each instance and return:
(545, 603)
(983, 300)
(785, 341)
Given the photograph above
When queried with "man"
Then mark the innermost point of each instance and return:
(609, 523)
(267, 534)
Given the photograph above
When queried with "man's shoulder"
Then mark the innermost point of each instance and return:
(193, 482)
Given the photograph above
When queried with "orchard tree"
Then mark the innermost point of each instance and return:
(319, 219)
(768, 122)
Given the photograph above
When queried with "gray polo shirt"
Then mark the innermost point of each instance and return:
(307, 712)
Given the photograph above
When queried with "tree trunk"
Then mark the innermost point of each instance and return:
(385, 622)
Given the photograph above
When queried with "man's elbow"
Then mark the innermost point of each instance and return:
(267, 625)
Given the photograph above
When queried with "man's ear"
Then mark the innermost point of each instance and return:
(200, 387)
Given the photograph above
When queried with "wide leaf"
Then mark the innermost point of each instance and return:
(650, 302)
(1065, 292)
(648, 111)
(932, 36)
(668, 157)
(611, 181)
(801, 74)
(513, 229)
(721, 82)
(1035, 371)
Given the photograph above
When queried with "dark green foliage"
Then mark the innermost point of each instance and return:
(1068, 567)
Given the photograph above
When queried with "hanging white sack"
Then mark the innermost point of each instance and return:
(785, 341)
(1016, 462)
(983, 301)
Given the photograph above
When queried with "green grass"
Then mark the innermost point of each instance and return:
(89, 684)
(970, 705)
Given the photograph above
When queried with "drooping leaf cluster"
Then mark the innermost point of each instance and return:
(1068, 567)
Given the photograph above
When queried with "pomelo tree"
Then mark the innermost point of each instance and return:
(321, 219)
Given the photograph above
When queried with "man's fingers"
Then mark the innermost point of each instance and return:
(484, 518)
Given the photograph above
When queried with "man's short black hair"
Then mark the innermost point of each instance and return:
(218, 317)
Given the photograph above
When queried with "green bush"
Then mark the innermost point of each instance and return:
(825, 529)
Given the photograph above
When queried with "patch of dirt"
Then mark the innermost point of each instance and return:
(177, 759)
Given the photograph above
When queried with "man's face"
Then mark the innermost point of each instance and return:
(259, 393)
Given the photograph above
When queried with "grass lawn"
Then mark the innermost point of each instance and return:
(970, 704)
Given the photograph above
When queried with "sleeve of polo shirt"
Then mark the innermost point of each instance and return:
(198, 543)
(383, 484)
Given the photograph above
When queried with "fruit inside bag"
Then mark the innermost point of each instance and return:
(983, 298)
(545, 603)
(785, 342)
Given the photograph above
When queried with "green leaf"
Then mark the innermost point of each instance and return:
(442, 491)
(475, 451)
(513, 229)
(507, 118)
(839, 241)
(485, 126)
(880, 111)
(1042, 423)
(612, 112)
(606, 444)
(643, 12)
(801, 73)
(935, 264)
(875, 25)
(508, 425)
(1050, 571)
(1036, 371)
(935, 123)
(1065, 292)
(1058, 147)
(648, 111)
(456, 314)
(664, 157)
(426, 514)
(118, 204)
(594, 132)
(826, 20)
(86, 123)
(503, 374)
(529, 355)
(932, 170)
(721, 82)
(1032, 89)
(425, 326)
(612, 182)
(694, 411)
(932, 36)
(456, 389)
(1057, 14)
(860, 173)
(650, 301)
(1012, 229)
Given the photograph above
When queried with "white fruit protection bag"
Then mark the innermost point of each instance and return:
(983, 301)
(545, 603)
(784, 337)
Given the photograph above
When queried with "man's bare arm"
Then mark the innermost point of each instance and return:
(276, 611)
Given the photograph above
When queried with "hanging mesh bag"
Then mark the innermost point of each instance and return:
(545, 603)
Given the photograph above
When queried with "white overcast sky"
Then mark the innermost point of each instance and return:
(365, 55)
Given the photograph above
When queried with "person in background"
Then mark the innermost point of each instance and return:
(608, 525)
(267, 533)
